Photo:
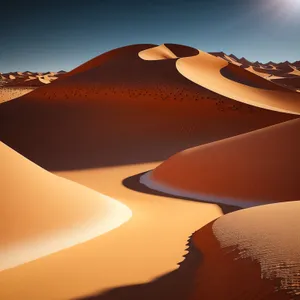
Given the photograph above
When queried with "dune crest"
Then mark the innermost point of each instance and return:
(157, 53)
(206, 70)
(167, 51)
(43, 213)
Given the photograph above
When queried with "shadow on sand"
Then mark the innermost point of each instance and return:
(133, 183)
(176, 285)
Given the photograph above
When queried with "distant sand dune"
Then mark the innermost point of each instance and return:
(9, 93)
(206, 70)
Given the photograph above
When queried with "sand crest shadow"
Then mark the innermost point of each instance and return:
(176, 285)
(133, 183)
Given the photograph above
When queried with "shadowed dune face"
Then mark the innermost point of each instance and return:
(157, 53)
(245, 77)
(176, 285)
(291, 82)
(258, 167)
(119, 109)
(167, 51)
(182, 51)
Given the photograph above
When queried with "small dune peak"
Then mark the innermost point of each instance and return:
(160, 52)
(182, 50)
(233, 57)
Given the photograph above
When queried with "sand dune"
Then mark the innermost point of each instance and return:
(295, 71)
(264, 234)
(43, 213)
(233, 61)
(251, 169)
(24, 79)
(164, 51)
(250, 254)
(98, 126)
(119, 101)
(230, 58)
(238, 84)
(284, 69)
(258, 72)
(125, 257)
(290, 82)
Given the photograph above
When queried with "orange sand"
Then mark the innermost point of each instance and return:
(43, 213)
(258, 167)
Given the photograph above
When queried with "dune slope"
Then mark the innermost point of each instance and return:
(250, 254)
(251, 169)
(110, 110)
(42, 213)
(236, 83)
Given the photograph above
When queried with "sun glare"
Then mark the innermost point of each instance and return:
(279, 10)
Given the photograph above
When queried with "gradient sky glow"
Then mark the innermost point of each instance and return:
(47, 35)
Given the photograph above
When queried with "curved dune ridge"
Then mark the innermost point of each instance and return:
(167, 51)
(120, 101)
(294, 71)
(206, 70)
(251, 169)
(258, 72)
(269, 235)
(157, 53)
(43, 213)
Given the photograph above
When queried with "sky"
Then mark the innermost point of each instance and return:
(60, 35)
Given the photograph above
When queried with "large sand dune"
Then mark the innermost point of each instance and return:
(251, 169)
(88, 126)
(43, 213)
(110, 111)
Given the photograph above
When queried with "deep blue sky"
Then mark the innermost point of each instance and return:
(55, 35)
